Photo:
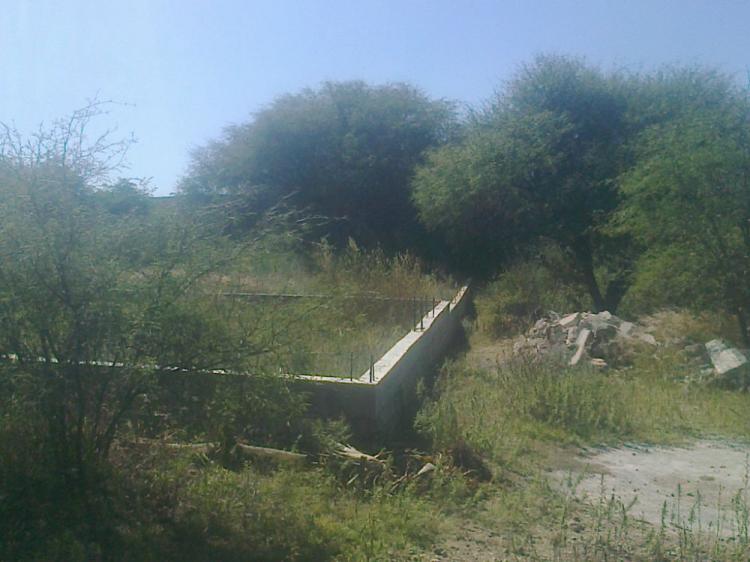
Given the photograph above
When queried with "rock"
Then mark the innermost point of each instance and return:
(570, 320)
(605, 315)
(695, 350)
(723, 357)
(568, 338)
(602, 325)
(571, 335)
(598, 363)
(426, 469)
(647, 338)
(540, 326)
(581, 341)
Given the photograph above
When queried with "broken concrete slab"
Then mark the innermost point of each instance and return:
(581, 341)
(723, 357)
(570, 320)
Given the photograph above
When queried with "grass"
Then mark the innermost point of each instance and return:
(220, 514)
(527, 419)
(521, 420)
(351, 306)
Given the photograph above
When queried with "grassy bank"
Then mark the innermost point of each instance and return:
(530, 419)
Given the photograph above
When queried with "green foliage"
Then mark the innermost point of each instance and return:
(525, 291)
(688, 200)
(344, 152)
(96, 298)
(539, 162)
(504, 412)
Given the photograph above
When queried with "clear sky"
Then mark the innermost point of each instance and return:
(188, 68)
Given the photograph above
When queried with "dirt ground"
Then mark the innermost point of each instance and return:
(704, 484)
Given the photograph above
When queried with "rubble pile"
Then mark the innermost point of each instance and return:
(598, 339)
(602, 340)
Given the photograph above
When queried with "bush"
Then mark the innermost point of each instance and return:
(524, 292)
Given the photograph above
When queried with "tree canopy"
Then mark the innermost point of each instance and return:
(687, 198)
(344, 152)
(538, 162)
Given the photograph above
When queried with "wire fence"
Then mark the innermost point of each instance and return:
(353, 357)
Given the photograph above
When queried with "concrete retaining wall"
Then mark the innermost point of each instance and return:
(378, 406)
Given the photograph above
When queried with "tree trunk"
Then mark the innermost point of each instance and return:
(742, 321)
(585, 264)
(616, 290)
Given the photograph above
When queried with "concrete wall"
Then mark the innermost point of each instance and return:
(378, 406)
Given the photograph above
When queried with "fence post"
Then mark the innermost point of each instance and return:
(351, 365)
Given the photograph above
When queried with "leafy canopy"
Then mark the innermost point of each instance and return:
(345, 152)
(538, 162)
(688, 200)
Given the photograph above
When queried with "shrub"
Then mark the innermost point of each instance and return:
(525, 291)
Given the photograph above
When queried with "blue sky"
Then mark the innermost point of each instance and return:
(188, 68)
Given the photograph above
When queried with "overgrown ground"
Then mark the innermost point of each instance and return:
(499, 433)
(339, 311)
(533, 422)
(526, 424)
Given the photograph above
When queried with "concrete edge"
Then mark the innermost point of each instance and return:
(385, 364)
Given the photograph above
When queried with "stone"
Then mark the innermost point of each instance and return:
(626, 329)
(604, 325)
(570, 320)
(426, 469)
(723, 357)
(581, 341)
(695, 350)
(571, 335)
(540, 326)
(598, 363)
(647, 338)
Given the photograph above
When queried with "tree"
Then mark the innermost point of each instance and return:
(96, 298)
(688, 201)
(345, 152)
(539, 162)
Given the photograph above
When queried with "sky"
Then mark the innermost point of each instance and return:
(183, 70)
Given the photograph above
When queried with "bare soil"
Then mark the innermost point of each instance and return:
(702, 484)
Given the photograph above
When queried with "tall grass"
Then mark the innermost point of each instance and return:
(193, 509)
(509, 408)
(524, 292)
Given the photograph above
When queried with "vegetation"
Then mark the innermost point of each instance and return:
(344, 153)
(142, 343)
(539, 162)
(687, 200)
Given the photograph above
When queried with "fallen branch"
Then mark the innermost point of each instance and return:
(266, 453)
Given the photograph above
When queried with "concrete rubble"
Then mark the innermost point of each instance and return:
(583, 337)
(724, 358)
(603, 340)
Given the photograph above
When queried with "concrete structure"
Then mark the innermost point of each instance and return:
(380, 398)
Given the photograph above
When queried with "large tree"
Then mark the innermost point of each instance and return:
(345, 153)
(688, 200)
(540, 161)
